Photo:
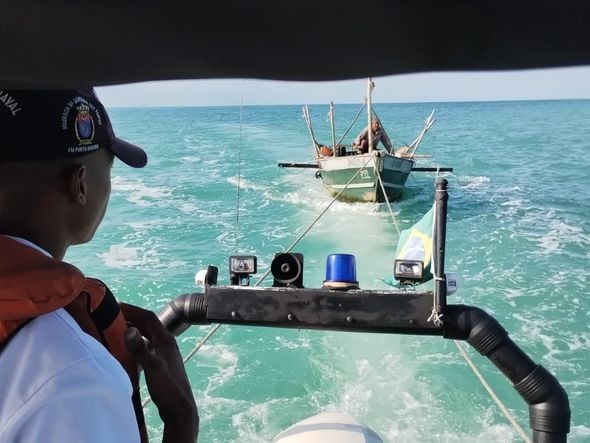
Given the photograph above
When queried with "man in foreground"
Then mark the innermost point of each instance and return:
(68, 360)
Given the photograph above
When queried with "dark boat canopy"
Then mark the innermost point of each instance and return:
(67, 43)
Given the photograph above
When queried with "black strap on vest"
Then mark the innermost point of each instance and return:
(105, 314)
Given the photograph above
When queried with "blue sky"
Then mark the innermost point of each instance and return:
(566, 83)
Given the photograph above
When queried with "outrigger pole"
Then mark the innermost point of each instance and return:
(315, 166)
(307, 119)
(427, 125)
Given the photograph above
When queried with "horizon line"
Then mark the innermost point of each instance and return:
(353, 103)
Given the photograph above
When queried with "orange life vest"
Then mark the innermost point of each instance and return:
(32, 284)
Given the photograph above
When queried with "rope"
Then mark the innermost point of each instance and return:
(148, 400)
(353, 122)
(414, 178)
(239, 169)
(435, 317)
(492, 394)
(387, 200)
(216, 327)
(318, 217)
(213, 330)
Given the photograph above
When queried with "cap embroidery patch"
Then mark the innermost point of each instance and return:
(81, 117)
(84, 125)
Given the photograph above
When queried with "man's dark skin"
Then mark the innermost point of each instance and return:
(59, 203)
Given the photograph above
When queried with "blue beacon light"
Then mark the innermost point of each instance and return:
(341, 272)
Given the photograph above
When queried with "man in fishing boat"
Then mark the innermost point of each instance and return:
(378, 134)
(69, 352)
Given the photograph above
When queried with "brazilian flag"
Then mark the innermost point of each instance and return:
(415, 243)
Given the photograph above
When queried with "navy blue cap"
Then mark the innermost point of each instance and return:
(58, 124)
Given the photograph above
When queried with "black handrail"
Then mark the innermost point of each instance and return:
(382, 312)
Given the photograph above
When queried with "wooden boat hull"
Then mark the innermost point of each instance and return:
(336, 172)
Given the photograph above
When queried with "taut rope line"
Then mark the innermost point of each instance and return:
(488, 388)
(217, 326)
(239, 170)
(387, 200)
(318, 217)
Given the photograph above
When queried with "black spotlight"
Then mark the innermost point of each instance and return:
(241, 267)
(287, 269)
(408, 272)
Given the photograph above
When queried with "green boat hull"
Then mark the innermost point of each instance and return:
(354, 178)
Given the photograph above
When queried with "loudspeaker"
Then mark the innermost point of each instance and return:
(287, 270)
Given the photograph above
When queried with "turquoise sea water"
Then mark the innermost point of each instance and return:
(518, 236)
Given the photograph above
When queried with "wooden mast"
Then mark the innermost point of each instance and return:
(333, 129)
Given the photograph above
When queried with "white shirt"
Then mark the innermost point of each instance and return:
(59, 385)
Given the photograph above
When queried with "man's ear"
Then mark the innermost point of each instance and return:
(79, 184)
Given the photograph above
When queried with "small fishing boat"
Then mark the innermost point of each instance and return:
(360, 172)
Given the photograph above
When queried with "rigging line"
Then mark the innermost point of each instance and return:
(239, 170)
(353, 122)
(388, 204)
(213, 330)
(201, 343)
(318, 217)
(216, 327)
(261, 279)
(392, 151)
(488, 388)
